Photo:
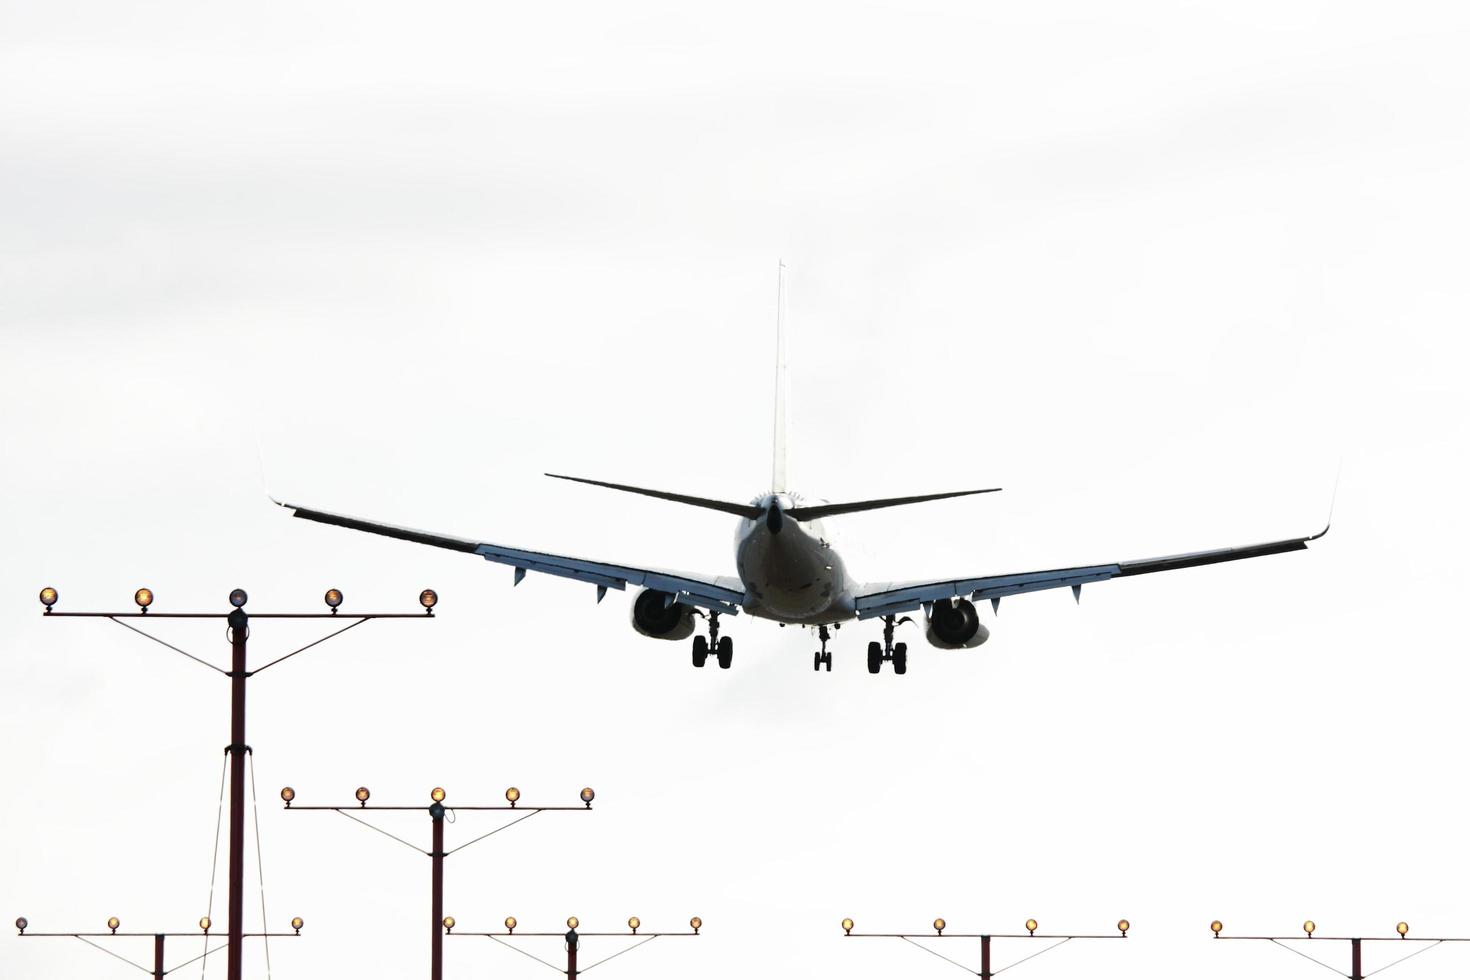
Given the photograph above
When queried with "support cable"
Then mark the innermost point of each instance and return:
(1422, 949)
(196, 959)
(175, 649)
(380, 830)
(938, 954)
(265, 927)
(117, 956)
(1304, 956)
(312, 644)
(524, 953)
(493, 833)
(1032, 956)
(214, 860)
(614, 956)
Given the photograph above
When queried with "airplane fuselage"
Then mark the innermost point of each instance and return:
(790, 570)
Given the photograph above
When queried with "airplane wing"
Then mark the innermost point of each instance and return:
(892, 598)
(720, 593)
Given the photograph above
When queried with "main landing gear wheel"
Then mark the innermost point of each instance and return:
(888, 650)
(823, 657)
(722, 647)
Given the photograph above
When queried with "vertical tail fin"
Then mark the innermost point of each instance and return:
(778, 439)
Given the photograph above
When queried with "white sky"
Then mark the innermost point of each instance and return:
(1153, 268)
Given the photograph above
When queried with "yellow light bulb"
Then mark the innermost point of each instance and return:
(1309, 927)
(634, 923)
(587, 795)
(297, 923)
(512, 795)
(847, 925)
(939, 925)
(288, 794)
(1124, 926)
(362, 794)
(204, 923)
(113, 923)
(428, 599)
(572, 923)
(1216, 926)
(695, 923)
(144, 598)
(1031, 926)
(510, 923)
(448, 922)
(333, 599)
(1403, 928)
(437, 795)
(48, 597)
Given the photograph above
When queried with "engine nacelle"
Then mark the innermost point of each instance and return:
(654, 616)
(955, 626)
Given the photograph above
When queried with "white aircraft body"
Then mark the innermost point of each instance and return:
(788, 570)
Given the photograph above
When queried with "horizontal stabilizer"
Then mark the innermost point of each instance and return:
(740, 510)
(817, 511)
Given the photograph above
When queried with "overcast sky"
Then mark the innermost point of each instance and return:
(1154, 268)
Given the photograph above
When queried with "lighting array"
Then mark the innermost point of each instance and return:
(1031, 926)
(1308, 927)
(143, 598)
(114, 924)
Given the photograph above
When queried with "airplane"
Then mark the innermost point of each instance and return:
(789, 571)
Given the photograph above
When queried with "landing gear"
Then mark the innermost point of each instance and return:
(722, 646)
(823, 657)
(898, 653)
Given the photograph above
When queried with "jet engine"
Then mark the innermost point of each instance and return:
(955, 625)
(655, 616)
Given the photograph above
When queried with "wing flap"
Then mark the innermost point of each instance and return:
(712, 592)
(890, 600)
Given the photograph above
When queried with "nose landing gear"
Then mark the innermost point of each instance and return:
(897, 653)
(823, 657)
(723, 646)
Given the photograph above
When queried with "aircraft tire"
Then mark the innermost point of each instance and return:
(725, 653)
(875, 657)
(900, 658)
(701, 651)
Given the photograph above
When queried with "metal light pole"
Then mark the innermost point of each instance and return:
(437, 853)
(985, 972)
(573, 940)
(1309, 929)
(158, 969)
(239, 673)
